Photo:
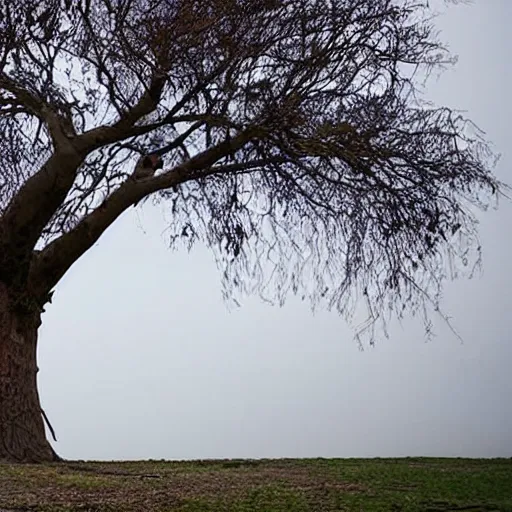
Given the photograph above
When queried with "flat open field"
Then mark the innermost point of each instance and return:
(319, 485)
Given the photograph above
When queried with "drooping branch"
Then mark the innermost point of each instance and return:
(348, 183)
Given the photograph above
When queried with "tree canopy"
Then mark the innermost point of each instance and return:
(296, 142)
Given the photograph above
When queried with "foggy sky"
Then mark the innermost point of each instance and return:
(141, 358)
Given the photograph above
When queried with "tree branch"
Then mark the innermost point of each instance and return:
(41, 195)
(51, 264)
(60, 128)
(31, 209)
(123, 128)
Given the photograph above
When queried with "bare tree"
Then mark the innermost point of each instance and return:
(289, 136)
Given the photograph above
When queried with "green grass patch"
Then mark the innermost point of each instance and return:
(296, 485)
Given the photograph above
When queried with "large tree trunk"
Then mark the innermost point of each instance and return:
(22, 433)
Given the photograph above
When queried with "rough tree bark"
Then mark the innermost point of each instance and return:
(22, 433)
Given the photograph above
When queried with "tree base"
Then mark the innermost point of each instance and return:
(22, 432)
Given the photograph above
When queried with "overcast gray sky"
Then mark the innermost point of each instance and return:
(140, 357)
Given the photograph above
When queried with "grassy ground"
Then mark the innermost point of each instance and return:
(302, 485)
